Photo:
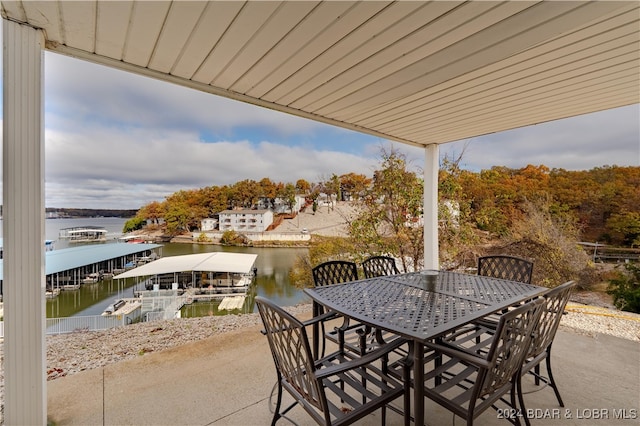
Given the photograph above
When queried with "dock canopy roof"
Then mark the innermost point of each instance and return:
(237, 263)
(76, 257)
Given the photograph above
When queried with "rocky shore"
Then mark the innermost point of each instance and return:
(75, 352)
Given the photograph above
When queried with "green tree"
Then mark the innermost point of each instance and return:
(134, 224)
(625, 227)
(288, 194)
(322, 250)
(625, 289)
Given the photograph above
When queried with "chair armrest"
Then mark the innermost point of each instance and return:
(361, 361)
(319, 318)
(312, 321)
(453, 352)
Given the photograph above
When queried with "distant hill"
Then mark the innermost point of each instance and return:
(52, 212)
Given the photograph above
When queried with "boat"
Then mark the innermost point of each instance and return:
(132, 239)
(92, 278)
(225, 279)
(111, 309)
(83, 234)
(52, 293)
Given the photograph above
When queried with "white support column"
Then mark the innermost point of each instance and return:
(431, 168)
(25, 401)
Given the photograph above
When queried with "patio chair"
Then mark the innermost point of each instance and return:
(377, 266)
(467, 381)
(506, 267)
(555, 301)
(334, 272)
(349, 335)
(330, 388)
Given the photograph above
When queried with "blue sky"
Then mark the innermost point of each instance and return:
(118, 140)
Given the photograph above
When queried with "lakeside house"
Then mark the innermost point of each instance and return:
(245, 220)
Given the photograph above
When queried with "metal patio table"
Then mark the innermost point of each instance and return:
(420, 307)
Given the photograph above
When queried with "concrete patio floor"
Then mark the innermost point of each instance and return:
(227, 379)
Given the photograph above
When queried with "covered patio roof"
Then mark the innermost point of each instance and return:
(421, 73)
(413, 72)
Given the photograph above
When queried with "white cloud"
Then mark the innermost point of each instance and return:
(609, 137)
(126, 168)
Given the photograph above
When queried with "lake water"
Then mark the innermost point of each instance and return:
(272, 280)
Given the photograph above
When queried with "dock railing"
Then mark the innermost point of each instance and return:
(83, 323)
(78, 324)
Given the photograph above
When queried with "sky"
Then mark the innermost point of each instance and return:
(116, 140)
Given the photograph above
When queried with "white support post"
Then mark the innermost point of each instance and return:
(25, 401)
(431, 168)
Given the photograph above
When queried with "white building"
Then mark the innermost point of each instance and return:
(245, 220)
(208, 224)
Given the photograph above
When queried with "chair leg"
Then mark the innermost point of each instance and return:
(362, 342)
(437, 362)
(552, 381)
(515, 381)
(406, 374)
(523, 409)
(276, 411)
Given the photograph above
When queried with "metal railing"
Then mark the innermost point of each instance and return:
(154, 309)
(85, 323)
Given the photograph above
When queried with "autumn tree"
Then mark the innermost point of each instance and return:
(353, 184)
(215, 199)
(245, 193)
(389, 211)
(303, 187)
(152, 212)
(455, 230)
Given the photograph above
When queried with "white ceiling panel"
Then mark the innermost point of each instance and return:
(182, 18)
(112, 27)
(415, 72)
(245, 27)
(77, 24)
(147, 20)
(213, 23)
(281, 23)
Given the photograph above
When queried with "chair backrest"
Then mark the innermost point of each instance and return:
(377, 266)
(510, 346)
(506, 267)
(555, 300)
(334, 272)
(291, 352)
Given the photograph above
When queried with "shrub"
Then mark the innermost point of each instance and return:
(134, 224)
(625, 289)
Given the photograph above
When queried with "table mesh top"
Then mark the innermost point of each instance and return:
(401, 303)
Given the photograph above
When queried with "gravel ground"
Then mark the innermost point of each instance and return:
(71, 353)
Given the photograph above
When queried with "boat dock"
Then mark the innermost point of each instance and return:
(68, 269)
(83, 234)
(174, 281)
